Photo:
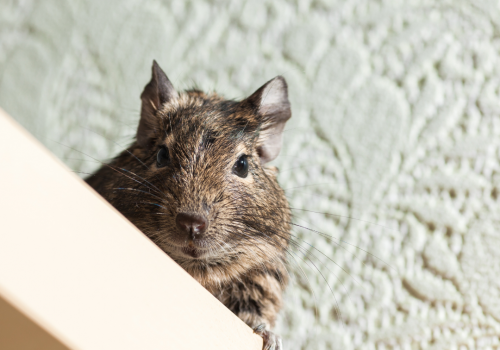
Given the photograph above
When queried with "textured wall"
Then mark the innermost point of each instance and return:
(395, 132)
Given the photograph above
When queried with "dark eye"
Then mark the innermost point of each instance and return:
(162, 158)
(240, 168)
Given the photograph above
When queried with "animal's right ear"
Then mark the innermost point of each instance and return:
(156, 93)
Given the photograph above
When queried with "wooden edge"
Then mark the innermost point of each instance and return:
(76, 274)
(19, 332)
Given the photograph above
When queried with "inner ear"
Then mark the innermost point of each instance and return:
(156, 93)
(270, 142)
(271, 103)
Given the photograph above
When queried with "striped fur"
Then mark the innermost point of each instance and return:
(243, 256)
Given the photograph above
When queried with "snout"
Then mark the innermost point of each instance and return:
(192, 225)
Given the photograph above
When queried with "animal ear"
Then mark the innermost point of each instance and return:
(156, 93)
(271, 103)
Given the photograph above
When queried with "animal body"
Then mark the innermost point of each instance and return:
(197, 182)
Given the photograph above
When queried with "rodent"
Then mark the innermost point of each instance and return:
(197, 182)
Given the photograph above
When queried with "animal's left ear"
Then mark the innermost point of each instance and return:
(271, 103)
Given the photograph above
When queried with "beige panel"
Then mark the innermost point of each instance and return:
(76, 266)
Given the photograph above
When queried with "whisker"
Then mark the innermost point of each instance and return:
(121, 146)
(130, 172)
(308, 262)
(303, 186)
(134, 189)
(346, 217)
(158, 205)
(325, 235)
(112, 167)
(296, 244)
(332, 238)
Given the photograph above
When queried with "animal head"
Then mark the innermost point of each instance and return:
(197, 180)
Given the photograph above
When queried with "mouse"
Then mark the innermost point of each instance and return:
(197, 181)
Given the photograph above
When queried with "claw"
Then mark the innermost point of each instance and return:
(271, 340)
(259, 328)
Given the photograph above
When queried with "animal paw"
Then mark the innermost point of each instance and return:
(271, 340)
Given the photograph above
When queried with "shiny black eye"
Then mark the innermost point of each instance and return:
(162, 158)
(240, 168)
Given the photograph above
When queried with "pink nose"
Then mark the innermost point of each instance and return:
(192, 224)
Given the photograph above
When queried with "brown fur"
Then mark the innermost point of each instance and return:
(244, 249)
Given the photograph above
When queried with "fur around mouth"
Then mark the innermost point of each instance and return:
(192, 252)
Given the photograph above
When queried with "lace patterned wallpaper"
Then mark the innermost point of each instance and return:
(395, 133)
